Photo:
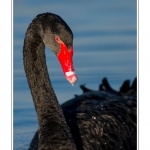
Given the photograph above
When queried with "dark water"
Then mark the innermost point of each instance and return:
(104, 45)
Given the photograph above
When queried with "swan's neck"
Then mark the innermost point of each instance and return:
(52, 125)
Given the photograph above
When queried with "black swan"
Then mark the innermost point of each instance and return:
(96, 120)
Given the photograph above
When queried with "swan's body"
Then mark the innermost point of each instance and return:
(93, 121)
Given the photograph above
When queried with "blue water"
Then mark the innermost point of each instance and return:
(104, 44)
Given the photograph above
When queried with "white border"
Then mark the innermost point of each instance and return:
(144, 74)
(5, 75)
(137, 74)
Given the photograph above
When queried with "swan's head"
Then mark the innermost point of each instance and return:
(65, 59)
(57, 35)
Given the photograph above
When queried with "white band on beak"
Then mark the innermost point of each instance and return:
(69, 73)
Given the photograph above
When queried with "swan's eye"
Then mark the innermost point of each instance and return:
(58, 40)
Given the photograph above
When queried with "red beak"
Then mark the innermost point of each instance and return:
(65, 59)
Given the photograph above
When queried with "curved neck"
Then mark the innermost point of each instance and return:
(52, 125)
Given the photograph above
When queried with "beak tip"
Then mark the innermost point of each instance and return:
(72, 79)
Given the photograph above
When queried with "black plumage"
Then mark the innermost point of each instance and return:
(96, 120)
(102, 119)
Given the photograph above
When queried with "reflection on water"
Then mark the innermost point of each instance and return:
(104, 44)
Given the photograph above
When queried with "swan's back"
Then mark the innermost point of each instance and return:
(102, 120)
